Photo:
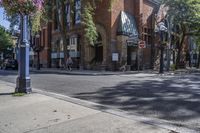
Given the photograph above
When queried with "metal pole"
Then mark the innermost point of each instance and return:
(38, 59)
(23, 83)
(161, 51)
(138, 59)
(169, 43)
(161, 58)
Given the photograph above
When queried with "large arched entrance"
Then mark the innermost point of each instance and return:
(98, 46)
(96, 54)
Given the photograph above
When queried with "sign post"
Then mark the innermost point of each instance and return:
(115, 59)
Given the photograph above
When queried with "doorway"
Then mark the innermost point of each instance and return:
(132, 57)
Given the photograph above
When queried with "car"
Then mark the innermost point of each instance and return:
(10, 63)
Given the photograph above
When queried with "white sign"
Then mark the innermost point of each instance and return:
(133, 56)
(115, 57)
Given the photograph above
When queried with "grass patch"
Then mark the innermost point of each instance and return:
(173, 67)
(18, 94)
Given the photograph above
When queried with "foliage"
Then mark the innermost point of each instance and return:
(21, 6)
(36, 22)
(5, 40)
(186, 18)
(16, 8)
(18, 94)
(197, 39)
(14, 22)
(186, 14)
(173, 67)
(111, 4)
(90, 30)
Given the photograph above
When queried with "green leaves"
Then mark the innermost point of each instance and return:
(36, 22)
(90, 28)
(184, 12)
(186, 17)
(5, 40)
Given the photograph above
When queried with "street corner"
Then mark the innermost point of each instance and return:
(102, 123)
(34, 111)
(6, 88)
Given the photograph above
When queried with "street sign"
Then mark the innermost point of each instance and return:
(115, 57)
(141, 44)
(132, 41)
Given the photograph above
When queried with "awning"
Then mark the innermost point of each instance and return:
(127, 25)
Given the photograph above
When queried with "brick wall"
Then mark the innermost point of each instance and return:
(108, 21)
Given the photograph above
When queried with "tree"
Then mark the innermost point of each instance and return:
(186, 17)
(197, 39)
(25, 9)
(60, 8)
(5, 41)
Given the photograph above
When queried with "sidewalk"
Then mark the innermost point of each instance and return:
(37, 113)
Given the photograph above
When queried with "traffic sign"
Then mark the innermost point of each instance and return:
(141, 44)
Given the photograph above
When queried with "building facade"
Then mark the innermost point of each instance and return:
(120, 27)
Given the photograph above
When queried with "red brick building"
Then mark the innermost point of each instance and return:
(120, 27)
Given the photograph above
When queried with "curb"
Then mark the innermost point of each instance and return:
(70, 73)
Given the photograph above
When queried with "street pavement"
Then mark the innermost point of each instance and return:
(168, 100)
(37, 113)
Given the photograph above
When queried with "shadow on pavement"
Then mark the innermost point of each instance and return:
(6, 94)
(175, 99)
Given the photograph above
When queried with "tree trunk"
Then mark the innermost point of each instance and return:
(179, 52)
(161, 59)
(198, 63)
(62, 29)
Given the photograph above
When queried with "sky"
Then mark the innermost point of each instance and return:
(3, 20)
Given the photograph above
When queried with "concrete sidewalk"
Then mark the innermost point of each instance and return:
(82, 72)
(37, 113)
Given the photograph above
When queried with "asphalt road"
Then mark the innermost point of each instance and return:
(172, 98)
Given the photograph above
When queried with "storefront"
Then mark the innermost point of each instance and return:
(128, 38)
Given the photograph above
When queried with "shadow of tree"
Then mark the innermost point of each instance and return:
(175, 99)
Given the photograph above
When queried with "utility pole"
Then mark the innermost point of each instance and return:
(162, 32)
(161, 58)
(168, 19)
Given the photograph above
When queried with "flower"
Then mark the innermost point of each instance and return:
(22, 6)
(38, 4)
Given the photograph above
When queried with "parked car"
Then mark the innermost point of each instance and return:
(10, 64)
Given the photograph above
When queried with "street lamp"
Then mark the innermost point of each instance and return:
(162, 30)
(37, 48)
(23, 8)
(23, 79)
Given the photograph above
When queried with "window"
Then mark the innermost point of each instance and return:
(55, 20)
(73, 41)
(77, 11)
(43, 37)
(67, 11)
(53, 47)
(147, 36)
